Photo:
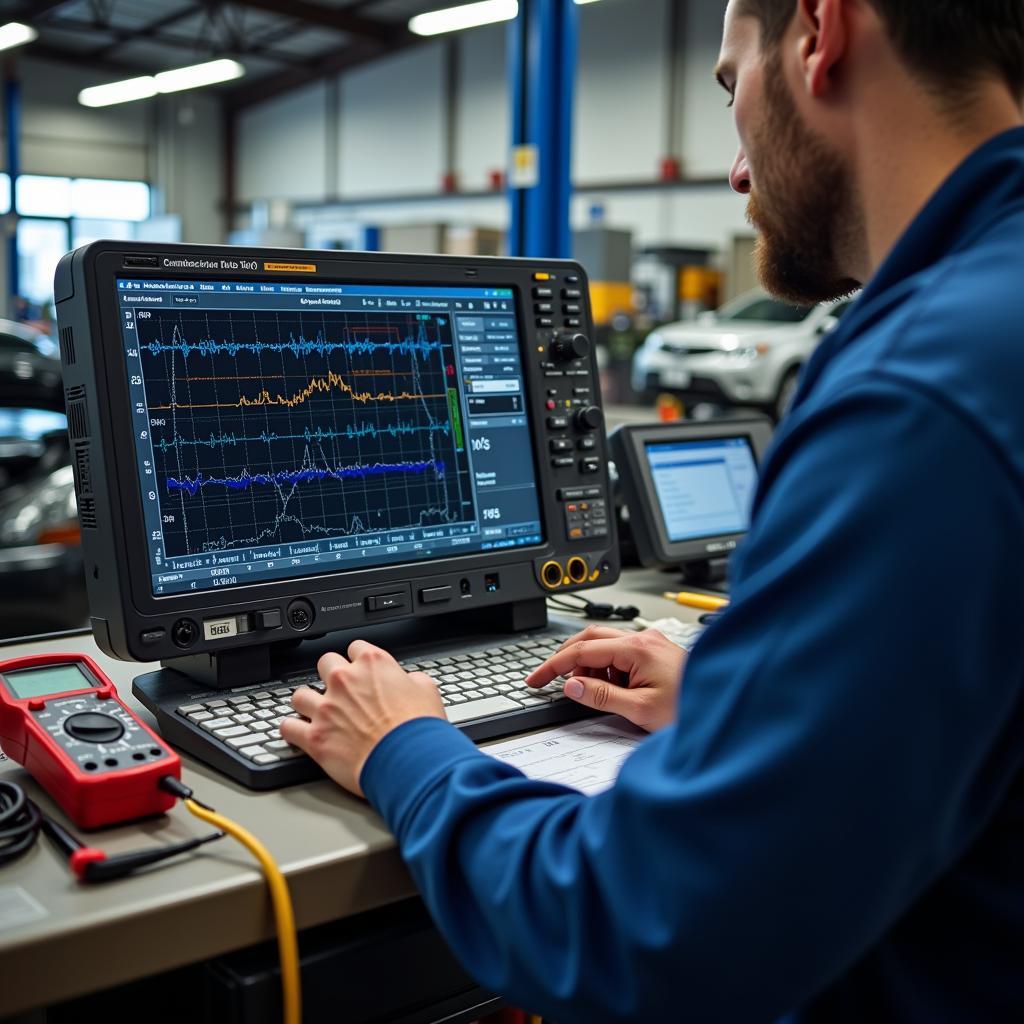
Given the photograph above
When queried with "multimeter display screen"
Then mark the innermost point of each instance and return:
(42, 682)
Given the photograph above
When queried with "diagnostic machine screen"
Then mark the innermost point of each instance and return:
(704, 488)
(286, 430)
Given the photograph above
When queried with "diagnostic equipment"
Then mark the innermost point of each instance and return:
(689, 487)
(275, 446)
(62, 719)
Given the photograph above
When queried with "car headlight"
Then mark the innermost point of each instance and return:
(45, 512)
(749, 353)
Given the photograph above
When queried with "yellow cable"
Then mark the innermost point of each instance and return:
(287, 942)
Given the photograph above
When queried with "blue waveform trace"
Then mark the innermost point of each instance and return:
(301, 346)
(350, 433)
(193, 485)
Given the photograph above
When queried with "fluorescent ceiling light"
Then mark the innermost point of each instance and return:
(585, 1)
(192, 77)
(14, 33)
(198, 75)
(452, 19)
(118, 92)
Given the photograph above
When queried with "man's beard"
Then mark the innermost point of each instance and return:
(803, 204)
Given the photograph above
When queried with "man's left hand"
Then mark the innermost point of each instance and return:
(368, 694)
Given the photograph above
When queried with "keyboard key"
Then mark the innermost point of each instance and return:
(199, 716)
(238, 742)
(233, 732)
(216, 725)
(481, 708)
(260, 695)
(216, 703)
(223, 712)
(189, 709)
(261, 727)
(252, 751)
(244, 719)
(245, 706)
(266, 758)
(282, 691)
(488, 691)
(533, 702)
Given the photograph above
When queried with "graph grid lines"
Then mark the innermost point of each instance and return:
(275, 427)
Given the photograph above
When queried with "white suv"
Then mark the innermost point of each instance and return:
(748, 353)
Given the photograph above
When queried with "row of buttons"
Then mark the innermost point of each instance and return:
(586, 519)
(548, 293)
(571, 307)
(564, 444)
(588, 465)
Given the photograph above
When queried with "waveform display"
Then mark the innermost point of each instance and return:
(273, 427)
(350, 433)
(318, 385)
(245, 479)
(358, 344)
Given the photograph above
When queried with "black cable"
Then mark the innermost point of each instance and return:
(20, 822)
(593, 609)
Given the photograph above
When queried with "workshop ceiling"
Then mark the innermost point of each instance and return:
(282, 44)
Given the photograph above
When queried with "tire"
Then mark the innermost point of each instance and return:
(787, 390)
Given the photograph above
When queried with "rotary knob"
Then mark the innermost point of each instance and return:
(589, 418)
(569, 347)
(92, 727)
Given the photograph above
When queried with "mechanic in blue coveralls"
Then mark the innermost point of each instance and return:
(827, 821)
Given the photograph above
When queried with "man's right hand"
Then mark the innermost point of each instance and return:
(636, 675)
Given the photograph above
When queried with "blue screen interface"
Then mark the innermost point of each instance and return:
(704, 488)
(285, 430)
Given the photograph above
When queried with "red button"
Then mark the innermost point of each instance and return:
(36, 705)
(551, 404)
(103, 694)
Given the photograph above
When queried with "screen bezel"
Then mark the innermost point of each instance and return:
(383, 271)
(629, 449)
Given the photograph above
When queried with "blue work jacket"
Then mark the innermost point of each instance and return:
(833, 829)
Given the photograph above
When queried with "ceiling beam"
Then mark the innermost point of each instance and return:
(106, 65)
(147, 31)
(31, 11)
(124, 37)
(324, 17)
(268, 87)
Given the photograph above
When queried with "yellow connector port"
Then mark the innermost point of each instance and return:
(551, 575)
(577, 569)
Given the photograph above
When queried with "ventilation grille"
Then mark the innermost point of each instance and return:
(87, 513)
(78, 412)
(83, 469)
(67, 346)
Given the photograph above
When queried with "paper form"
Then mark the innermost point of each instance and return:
(585, 755)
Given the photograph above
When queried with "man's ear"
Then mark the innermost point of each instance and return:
(823, 41)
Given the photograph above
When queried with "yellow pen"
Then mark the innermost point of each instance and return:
(705, 602)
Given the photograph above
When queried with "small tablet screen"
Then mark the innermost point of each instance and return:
(704, 488)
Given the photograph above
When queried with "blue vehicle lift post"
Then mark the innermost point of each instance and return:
(542, 72)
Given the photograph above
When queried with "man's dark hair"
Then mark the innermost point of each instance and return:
(950, 43)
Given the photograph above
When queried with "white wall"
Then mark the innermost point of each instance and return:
(188, 165)
(282, 147)
(708, 137)
(60, 136)
(621, 91)
(482, 119)
(392, 128)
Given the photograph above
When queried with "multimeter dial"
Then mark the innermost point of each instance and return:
(90, 727)
(97, 740)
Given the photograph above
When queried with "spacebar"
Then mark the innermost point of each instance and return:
(480, 708)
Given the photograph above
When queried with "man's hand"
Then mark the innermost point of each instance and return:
(368, 695)
(636, 675)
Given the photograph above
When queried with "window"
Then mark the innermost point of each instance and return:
(41, 243)
(765, 310)
(57, 214)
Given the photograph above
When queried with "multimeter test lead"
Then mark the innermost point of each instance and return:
(63, 720)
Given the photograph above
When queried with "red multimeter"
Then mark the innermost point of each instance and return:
(61, 718)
